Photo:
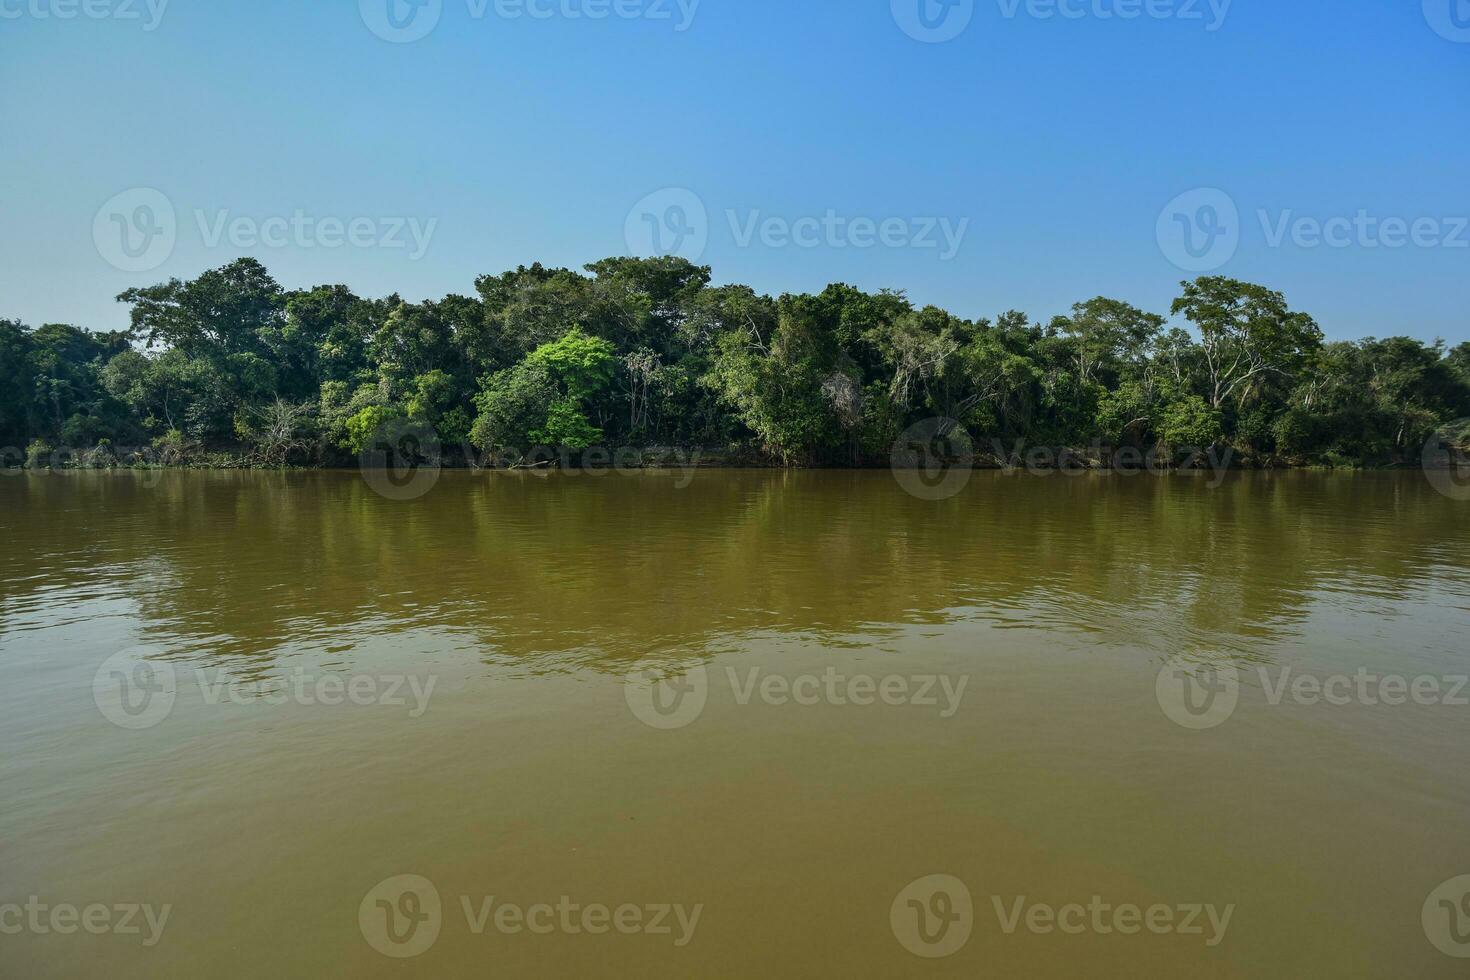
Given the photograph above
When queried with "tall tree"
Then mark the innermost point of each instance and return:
(1247, 334)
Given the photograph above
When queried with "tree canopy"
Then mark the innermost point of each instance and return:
(647, 352)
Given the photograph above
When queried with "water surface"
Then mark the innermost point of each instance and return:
(528, 772)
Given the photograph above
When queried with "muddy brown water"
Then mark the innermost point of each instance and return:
(781, 724)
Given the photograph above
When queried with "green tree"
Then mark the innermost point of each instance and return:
(648, 352)
(1190, 422)
(1110, 338)
(546, 398)
(224, 311)
(1247, 334)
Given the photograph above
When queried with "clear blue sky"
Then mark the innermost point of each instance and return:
(1061, 140)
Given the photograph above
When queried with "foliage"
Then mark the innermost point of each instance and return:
(1190, 421)
(277, 430)
(38, 454)
(566, 426)
(646, 352)
(512, 404)
(361, 427)
(544, 399)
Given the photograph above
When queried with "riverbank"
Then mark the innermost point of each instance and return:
(1030, 459)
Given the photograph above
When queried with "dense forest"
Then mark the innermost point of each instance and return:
(231, 369)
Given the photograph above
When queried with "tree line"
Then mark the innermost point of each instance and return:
(231, 369)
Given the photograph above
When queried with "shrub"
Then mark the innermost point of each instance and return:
(39, 455)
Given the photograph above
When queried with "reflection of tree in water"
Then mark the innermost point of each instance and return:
(560, 570)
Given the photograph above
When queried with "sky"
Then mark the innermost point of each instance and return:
(981, 155)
